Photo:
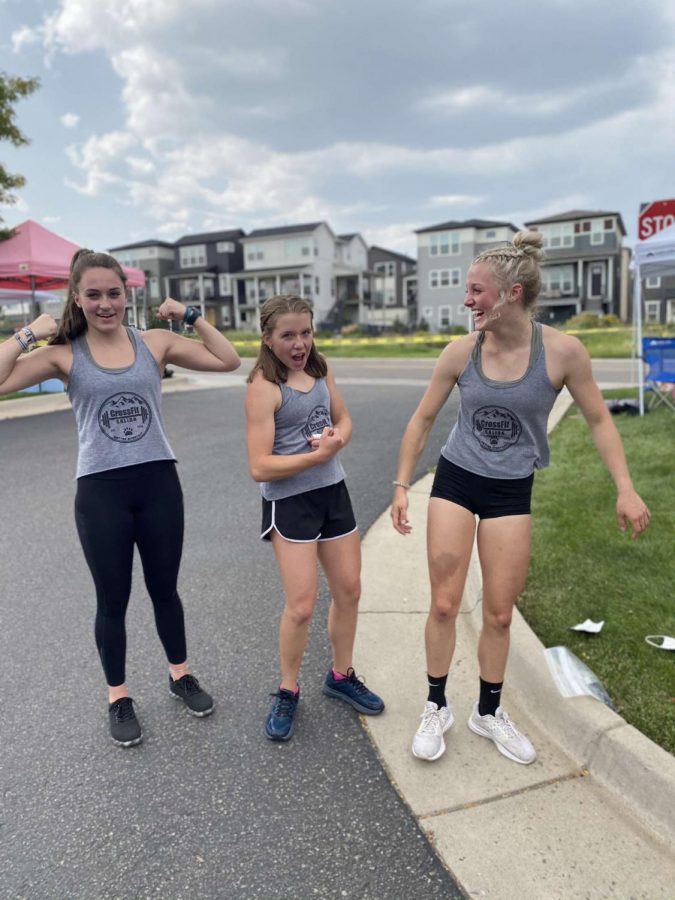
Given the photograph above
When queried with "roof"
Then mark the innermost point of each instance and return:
(467, 223)
(402, 256)
(284, 229)
(148, 243)
(578, 214)
(35, 257)
(211, 237)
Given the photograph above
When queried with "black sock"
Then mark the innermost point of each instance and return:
(490, 695)
(437, 689)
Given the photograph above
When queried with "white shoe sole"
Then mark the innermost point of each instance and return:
(504, 752)
(447, 727)
(192, 712)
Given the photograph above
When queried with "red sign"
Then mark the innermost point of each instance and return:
(655, 217)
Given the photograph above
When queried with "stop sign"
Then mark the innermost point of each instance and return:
(655, 217)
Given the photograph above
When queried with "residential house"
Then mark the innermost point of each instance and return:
(444, 254)
(156, 259)
(203, 275)
(392, 299)
(585, 265)
(308, 260)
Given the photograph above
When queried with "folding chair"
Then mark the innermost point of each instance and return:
(659, 355)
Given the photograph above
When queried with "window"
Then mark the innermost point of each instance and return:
(306, 285)
(389, 298)
(387, 269)
(224, 285)
(597, 232)
(317, 285)
(653, 311)
(653, 282)
(255, 252)
(443, 244)
(444, 316)
(586, 226)
(558, 279)
(444, 278)
(609, 224)
(556, 236)
(670, 312)
(192, 255)
(490, 235)
(225, 247)
(154, 289)
(295, 247)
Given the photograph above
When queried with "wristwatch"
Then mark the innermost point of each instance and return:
(192, 313)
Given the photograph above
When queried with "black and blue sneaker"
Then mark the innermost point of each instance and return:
(280, 721)
(352, 689)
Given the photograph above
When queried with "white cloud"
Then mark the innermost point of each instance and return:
(69, 120)
(24, 37)
(96, 158)
(51, 220)
(455, 200)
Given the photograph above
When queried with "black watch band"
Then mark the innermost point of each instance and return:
(192, 313)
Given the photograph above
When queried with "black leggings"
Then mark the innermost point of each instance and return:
(114, 510)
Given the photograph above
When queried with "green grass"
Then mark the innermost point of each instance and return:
(583, 567)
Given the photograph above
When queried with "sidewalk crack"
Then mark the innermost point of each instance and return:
(570, 776)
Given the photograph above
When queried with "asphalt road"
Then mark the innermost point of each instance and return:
(203, 808)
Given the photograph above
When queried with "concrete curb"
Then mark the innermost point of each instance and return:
(593, 816)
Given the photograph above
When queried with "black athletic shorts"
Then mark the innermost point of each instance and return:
(487, 498)
(323, 514)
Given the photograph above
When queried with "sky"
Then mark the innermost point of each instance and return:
(159, 118)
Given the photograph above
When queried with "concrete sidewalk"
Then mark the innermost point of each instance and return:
(592, 817)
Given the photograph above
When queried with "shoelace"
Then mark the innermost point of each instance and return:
(358, 682)
(430, 721)
(191, 684)
(284, 703)
(505, 726)
(123, 709)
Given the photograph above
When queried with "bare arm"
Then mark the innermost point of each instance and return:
(19, 371)
(212, 353)
(630, 508)
(450, 364)
(262, 400)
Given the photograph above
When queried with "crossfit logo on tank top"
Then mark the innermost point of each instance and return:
(124, 417)
(317, 420)
(496, 428)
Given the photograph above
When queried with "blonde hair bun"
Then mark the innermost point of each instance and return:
(530, 243)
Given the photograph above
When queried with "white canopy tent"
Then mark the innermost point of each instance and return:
(651, 258)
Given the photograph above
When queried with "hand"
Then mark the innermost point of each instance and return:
(44, 327)
(328, 444)
(631, 510)
(399, 511)
(171, 310)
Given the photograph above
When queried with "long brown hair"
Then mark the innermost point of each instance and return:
(73, 323)
(267, 363)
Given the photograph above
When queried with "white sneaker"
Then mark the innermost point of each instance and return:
(506, 737)
(428, 742)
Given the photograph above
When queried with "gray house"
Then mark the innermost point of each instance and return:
(444, 254)
(585, 269)
(156, 259)
(391, 300)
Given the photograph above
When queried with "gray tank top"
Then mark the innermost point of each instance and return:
(301, 415)
(118, 411)
(501, 429)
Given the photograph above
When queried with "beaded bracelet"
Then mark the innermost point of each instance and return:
(403, 484)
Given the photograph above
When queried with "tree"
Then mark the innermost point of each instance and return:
(12, 90)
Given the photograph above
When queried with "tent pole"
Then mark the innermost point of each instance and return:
(637, 317)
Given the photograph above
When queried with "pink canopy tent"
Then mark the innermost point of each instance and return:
(36, 258)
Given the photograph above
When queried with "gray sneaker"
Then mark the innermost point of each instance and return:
(428, 742)
(504, 734)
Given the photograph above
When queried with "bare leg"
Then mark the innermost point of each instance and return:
(341, 561)
(504, 552)
(297, 566)
(450, 535)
